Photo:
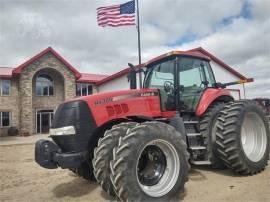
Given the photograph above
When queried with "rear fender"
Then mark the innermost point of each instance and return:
(211, 95)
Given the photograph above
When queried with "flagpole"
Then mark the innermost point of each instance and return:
(139, 41)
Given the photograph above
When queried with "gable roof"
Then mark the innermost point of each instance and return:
(8, 72)
(198, 52)
(19, 69)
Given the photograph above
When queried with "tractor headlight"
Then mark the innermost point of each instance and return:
(67, 130)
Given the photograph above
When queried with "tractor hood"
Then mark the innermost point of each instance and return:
(122, 104)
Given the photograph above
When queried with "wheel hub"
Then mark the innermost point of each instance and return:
(151, 166)
(158, 168)
(253, 137)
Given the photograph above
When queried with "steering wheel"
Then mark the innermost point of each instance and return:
(168, 86)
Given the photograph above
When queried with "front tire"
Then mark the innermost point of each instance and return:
(103, 155)
(150, 163)
(243, 137)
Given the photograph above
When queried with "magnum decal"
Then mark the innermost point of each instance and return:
(122, 97)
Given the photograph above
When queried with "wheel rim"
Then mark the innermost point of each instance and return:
(158, 168)
(253, 137)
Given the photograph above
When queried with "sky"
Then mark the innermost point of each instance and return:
(236, 31)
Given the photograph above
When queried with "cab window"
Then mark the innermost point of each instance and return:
(192, 82)
(160, 75)
(209, 74)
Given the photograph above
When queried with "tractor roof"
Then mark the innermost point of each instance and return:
(179, 53)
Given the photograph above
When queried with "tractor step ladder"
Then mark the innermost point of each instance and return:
(197, 147)
(200, 162)
(193, 134)
(191, 122)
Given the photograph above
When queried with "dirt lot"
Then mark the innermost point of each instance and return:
(23, 180)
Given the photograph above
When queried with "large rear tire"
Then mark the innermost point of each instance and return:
(243, 137)
(150, 163)
(208, 127)
(103, 155)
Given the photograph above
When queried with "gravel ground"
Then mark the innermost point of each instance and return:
(21, 179)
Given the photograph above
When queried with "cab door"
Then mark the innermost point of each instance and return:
(161, 76)
(194, 76)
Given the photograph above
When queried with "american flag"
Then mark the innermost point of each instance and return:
(117, 15)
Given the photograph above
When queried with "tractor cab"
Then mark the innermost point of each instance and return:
(181, 80)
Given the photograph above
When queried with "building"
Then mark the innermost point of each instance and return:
(30, 92)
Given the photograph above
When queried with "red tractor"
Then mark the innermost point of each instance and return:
(139, 143)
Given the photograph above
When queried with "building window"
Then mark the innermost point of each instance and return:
(44, 85)
(4, 119)
(83, 89)
(5, 87)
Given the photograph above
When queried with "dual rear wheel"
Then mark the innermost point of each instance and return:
(237, 136)
(242, 137)
(149, 162)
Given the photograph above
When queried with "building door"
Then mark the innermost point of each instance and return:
(44, 121)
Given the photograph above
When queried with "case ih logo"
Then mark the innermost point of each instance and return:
(149, 94)
(122, 97)
(103, 101)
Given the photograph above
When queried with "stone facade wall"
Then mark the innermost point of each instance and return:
(23, 102)
(11, 104)
(29, 102)
(48, 102)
